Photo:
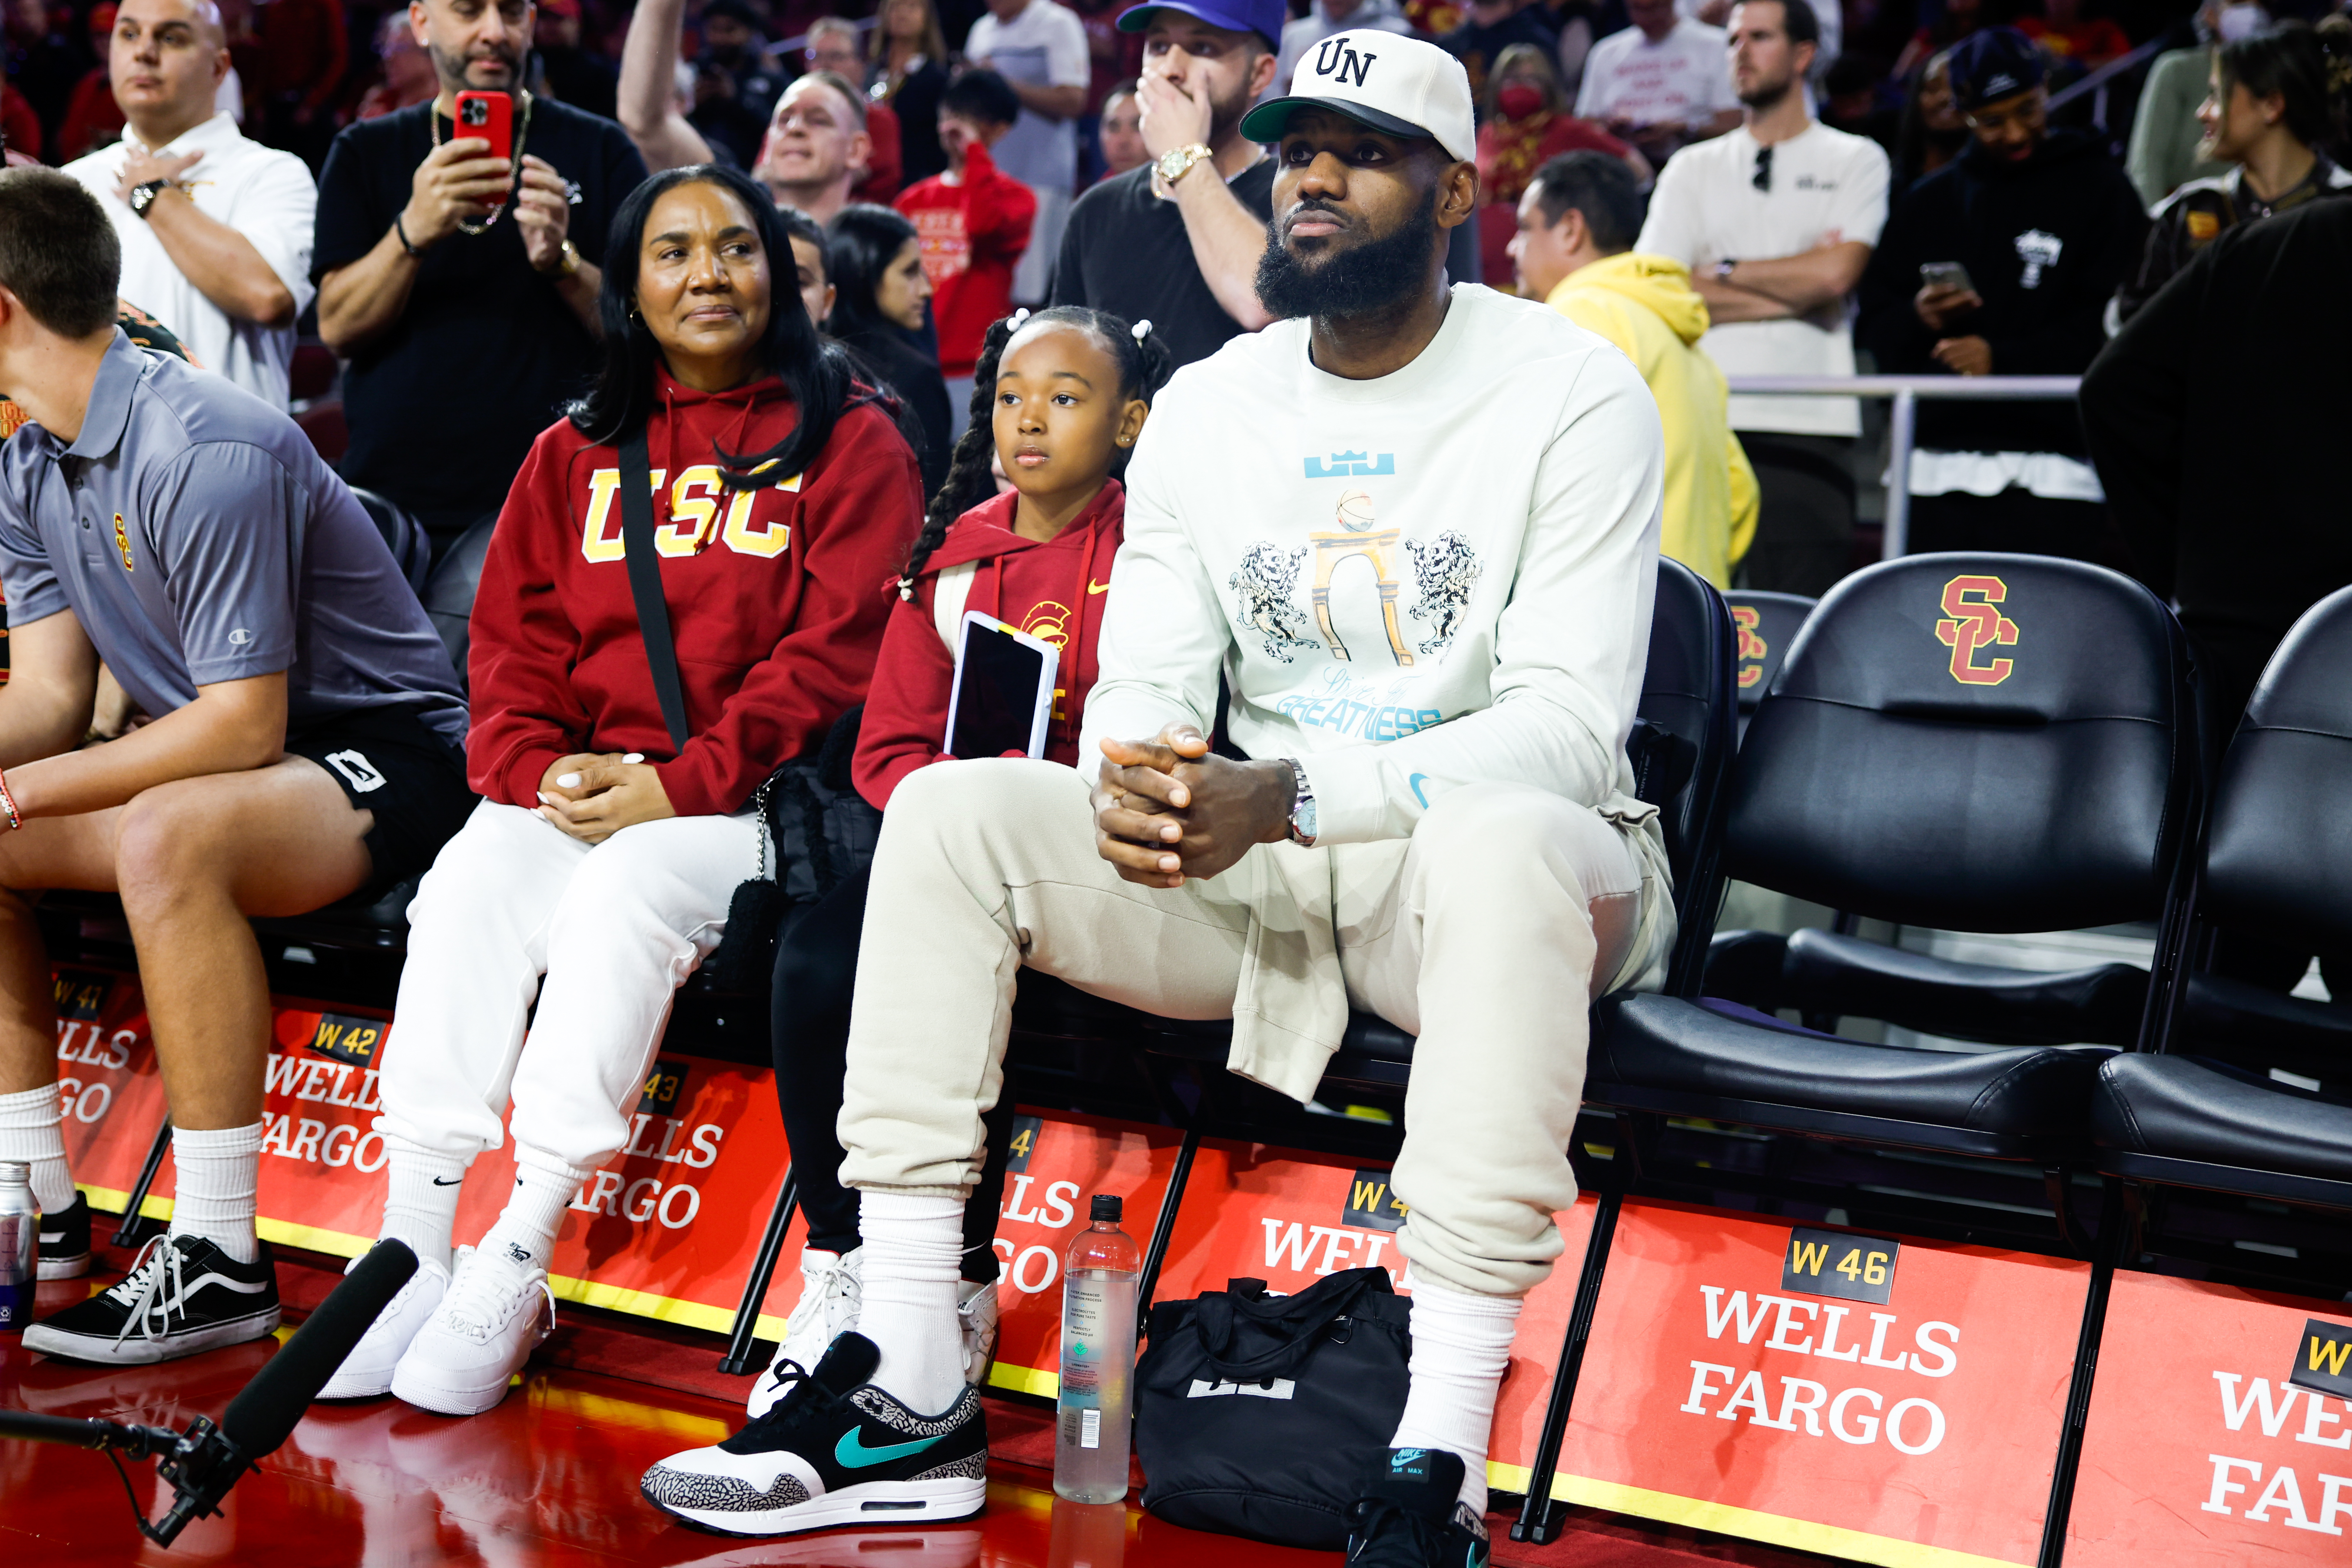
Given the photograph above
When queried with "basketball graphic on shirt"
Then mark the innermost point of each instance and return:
(1355, 511)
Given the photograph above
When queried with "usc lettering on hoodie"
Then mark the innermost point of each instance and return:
(775, 598)
(1053, 589)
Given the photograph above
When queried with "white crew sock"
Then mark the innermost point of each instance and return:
(219, 1172)
(420, 1200)
(1461, 1348)
(544, 1186)
(914, 1256)
(32, 1133)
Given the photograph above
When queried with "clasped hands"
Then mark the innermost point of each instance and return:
(593, 796)
(1168, 809)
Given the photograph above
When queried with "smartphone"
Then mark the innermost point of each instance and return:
(1003, 693)
(1944, 275)
(490, 116)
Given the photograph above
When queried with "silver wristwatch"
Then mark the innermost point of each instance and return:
(1302, 806)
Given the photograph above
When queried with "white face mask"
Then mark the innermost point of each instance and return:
(2241, 22)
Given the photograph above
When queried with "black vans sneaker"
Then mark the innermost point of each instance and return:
(65, 1241)
(1411, 1515)
(834, 1450)
(182, 1295)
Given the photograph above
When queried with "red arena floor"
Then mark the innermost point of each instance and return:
(549, 1476)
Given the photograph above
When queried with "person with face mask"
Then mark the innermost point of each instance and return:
(1527, 124)
(2166, 133)
(2045, 227)
(2268, 112)
(440, 266)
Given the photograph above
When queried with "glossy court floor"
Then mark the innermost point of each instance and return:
(549, 1476)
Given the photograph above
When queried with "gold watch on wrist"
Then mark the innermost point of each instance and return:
(1178, 162)
(567, 262)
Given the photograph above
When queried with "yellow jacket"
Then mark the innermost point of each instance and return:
(1644, 304)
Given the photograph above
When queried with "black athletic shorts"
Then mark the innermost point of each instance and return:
(389, 762)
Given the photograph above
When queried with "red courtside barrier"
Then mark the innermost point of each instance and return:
(2219, 1434)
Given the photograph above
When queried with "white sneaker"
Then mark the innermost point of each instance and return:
(832, 1287)
(976, 1316)
(484, 1329)
(367, 1370)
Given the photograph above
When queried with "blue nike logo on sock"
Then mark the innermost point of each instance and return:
(852, 1452)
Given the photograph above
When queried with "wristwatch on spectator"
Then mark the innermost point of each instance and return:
(143, 197)
(1723, 270)
(567, 262)
(1302, 806)
(1178, 162)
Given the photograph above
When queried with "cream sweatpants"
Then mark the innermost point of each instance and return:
(1482, 934)
(614, 928)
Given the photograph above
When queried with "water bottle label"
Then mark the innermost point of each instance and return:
(1090, 1428)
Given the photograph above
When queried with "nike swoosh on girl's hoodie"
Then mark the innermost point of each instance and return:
(776, 598)
(1042, 587)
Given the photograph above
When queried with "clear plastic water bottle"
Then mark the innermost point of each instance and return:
(20, 1241)
(1099, 1275)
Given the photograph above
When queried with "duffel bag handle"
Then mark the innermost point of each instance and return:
(1301, 1320)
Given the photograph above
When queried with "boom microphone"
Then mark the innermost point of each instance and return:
(207, 1460)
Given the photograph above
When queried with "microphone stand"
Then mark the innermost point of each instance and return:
(200, 1465)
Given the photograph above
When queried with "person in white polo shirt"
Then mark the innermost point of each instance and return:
(215, 229)
(1660, 83)
(1040, 49)
(1776, 222)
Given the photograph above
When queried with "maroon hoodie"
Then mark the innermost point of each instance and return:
(1051, 589)
(775, 598)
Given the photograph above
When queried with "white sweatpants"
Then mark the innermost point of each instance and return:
(614, 928)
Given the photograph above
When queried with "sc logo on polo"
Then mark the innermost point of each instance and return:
(1975, 624)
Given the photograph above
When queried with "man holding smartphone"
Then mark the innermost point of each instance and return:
(461, 279)
(1776, 220)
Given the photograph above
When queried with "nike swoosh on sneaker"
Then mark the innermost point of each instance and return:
(852, 1452)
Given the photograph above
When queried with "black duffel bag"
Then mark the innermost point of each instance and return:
(1261, 1416)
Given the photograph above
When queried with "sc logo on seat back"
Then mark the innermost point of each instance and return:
(1753, 648)
(1975, 624)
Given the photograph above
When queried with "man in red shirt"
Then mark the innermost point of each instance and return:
(974, 225)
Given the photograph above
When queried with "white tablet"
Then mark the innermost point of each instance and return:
(1003, 695)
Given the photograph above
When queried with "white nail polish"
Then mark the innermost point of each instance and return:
(568, 780)
(633, 756)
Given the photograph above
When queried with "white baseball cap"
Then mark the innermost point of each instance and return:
(1392, 84)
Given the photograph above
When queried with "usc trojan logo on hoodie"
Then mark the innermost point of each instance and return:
(694, 516)
(1976, 622)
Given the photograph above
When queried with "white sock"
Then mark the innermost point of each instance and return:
(914, 1254)
(420, 1200)
(32, 1133)
(212, 1196)
(544, 1186)
(1461, 1348)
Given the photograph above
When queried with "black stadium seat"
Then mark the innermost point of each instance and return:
(412, 551)
(1974, 742)
(2278, 864)
(449, 594)
(1766, 624)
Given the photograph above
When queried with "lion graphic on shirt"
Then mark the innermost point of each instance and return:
(1267, 581)
(1444, 570)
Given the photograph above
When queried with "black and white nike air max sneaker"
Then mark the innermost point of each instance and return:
(834, 1450)
(182, 1295)
(1410, 1515)
(65, 1241)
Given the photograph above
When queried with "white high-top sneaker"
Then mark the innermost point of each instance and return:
(497, 1309)
(976, 1315)
(367, 1370)
(832, 1285)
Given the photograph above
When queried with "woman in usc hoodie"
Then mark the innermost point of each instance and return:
(598, 872)
(1068, 389)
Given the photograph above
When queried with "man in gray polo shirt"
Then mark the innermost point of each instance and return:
(305, 744)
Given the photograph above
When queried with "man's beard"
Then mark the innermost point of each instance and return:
(451, 68)
(1765, 94)
(1361, 280)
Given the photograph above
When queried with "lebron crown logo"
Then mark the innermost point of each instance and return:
(1976, 625)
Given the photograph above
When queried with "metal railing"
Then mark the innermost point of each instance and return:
(2098, 81)
(1904, 392)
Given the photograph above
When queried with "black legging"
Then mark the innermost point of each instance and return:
(817, 970)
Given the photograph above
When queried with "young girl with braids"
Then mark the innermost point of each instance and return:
(1060, 395)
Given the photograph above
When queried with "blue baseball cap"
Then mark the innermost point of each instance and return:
(1994, 64)
(1264, 18)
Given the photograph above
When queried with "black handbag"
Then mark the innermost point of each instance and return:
(820, 829)
(1261, 1415)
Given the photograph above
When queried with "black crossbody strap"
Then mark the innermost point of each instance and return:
(645, 583)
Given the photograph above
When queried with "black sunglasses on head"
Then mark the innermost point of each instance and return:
(1763, 180)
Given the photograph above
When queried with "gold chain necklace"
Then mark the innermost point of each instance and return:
(522, 139)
